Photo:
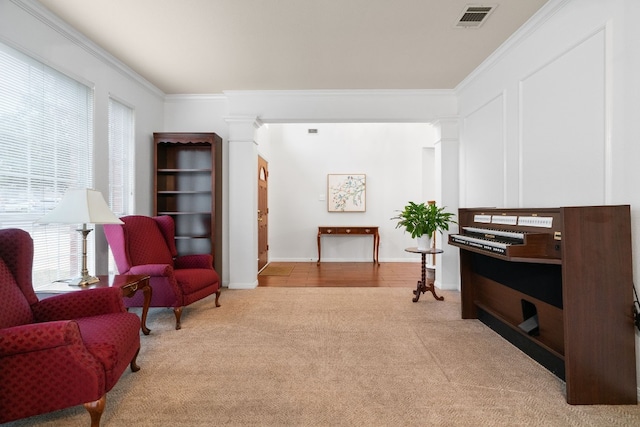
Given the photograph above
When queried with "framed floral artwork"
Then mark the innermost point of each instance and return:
(346, 192)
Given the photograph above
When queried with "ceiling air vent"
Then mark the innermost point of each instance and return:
(473, 16)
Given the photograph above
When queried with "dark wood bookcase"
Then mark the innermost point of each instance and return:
(578, 286)
(187, 186)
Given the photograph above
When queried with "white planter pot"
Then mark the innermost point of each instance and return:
(424, 242)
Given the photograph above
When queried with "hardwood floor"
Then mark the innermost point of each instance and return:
(341, 274)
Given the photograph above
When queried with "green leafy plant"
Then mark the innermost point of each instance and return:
(423, 218)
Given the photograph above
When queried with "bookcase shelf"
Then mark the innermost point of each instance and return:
(187, 187)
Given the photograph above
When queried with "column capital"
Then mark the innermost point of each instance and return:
(446, 119)
(447, 128)
(242, 128)
(244, 120)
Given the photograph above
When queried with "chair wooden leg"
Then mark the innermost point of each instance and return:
(134, 365)
(217, 296)
(178, 312)
(96, 409)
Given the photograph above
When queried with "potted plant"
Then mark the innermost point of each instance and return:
(421, 220)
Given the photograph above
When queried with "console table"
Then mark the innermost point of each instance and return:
(348, 230)
(423, 286)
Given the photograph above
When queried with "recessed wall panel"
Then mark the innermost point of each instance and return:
(482, 143)
(563, 145)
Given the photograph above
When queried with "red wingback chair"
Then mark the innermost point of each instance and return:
(63, 351)
(146, 245)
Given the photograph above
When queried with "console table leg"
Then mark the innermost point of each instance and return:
(147, 292)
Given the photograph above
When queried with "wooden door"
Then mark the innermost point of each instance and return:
(263, 213)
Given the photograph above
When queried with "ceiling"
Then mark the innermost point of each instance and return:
(209, 46)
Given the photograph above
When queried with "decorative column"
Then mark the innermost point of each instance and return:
(243, 202)
(447, 194)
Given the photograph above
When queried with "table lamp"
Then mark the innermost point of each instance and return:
(81, 206)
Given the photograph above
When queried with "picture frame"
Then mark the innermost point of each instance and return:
(346, 192)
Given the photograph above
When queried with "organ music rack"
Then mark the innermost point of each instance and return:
(557, 283)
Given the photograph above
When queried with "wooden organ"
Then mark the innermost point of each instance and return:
(557, 283)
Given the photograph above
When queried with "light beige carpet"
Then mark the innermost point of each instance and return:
(334, 357)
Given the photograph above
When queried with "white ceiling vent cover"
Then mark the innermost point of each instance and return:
(473, 16)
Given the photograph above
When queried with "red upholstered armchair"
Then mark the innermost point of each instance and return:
(146, 245)
(63, 351)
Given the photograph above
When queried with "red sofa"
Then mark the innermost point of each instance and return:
(146, 245)
(63, 351)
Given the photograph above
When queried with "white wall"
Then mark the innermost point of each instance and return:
(273, 107)
(391, 156)
(243, 110)
(538, 122)
(216, 113)
(31, 29)
(552, 119)
(327, 106)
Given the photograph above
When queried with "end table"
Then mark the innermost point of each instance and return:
(423, 286)
(129, 284)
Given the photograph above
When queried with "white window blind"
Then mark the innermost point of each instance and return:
(121, 137)
(120, 157)
(46, 140)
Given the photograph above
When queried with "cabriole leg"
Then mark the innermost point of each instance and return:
(178, 312)
(134, 364)
(96, 409)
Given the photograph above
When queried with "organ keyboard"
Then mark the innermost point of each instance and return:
(509, 234)
(557, 283)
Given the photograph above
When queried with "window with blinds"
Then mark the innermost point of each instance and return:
(120, 157)
(121, 137)
(46, 138)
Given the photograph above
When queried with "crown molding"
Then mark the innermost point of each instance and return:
(195, 97)
(37, 10)
(341, 92)
(534, 23)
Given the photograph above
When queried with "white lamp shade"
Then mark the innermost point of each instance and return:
(81, 206)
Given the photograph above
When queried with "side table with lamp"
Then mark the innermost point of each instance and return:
(81, 206)
(87, 206)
